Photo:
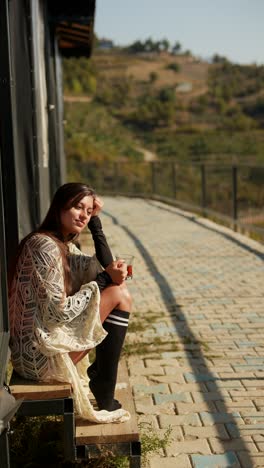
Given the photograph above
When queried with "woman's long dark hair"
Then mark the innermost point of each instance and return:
(67, 196)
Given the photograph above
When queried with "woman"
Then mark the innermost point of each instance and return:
(59, 299)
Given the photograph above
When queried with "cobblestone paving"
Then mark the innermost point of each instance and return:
(195, 344)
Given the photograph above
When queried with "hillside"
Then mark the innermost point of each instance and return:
(140, 67)
(172, 105)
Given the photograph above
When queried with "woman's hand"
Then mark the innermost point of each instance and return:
(97, 206)
(118, 271)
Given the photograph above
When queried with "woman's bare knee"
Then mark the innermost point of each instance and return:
(115, 297)
(125, 298)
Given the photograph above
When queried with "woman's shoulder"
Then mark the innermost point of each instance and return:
(42, 241)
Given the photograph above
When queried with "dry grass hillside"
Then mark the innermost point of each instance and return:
(139, 67)
(172, 106)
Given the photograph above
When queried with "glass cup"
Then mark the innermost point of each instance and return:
(128, 259)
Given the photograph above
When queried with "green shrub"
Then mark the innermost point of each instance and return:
(153, 76)
(174, 67)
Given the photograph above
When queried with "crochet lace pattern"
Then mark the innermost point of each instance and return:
(45, 324)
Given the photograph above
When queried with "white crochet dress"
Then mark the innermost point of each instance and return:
(45, 324)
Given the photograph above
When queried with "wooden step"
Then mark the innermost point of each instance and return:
(111, 433)
(33, 390)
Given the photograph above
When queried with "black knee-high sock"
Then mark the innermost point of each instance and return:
(103, 373)
(92, 370)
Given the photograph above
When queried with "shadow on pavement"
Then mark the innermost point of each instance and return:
(195, 219)
(197, 361)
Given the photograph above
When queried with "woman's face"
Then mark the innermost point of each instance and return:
(74, 219)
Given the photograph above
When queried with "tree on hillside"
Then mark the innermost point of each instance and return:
(153, 76)
(167, 95)
(149, 45)
(176, 49)
(137, 46)
(199, 148)
(79, 76)
(219, 59)
(173, 66)
(157, 110)
(164, 44)
(255, 109)
(153, 46)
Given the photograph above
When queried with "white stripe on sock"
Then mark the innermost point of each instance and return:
(118, 318)
(117, 323)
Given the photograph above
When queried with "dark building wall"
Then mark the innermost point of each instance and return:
(31, 111)
(55, 110)
(35, 167)
(32, 164)
(31, 115)
(25, 141)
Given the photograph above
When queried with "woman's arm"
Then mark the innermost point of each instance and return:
(102, 250)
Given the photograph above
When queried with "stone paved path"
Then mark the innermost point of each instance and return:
(196, 339)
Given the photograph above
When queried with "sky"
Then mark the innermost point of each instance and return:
(230, 28)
